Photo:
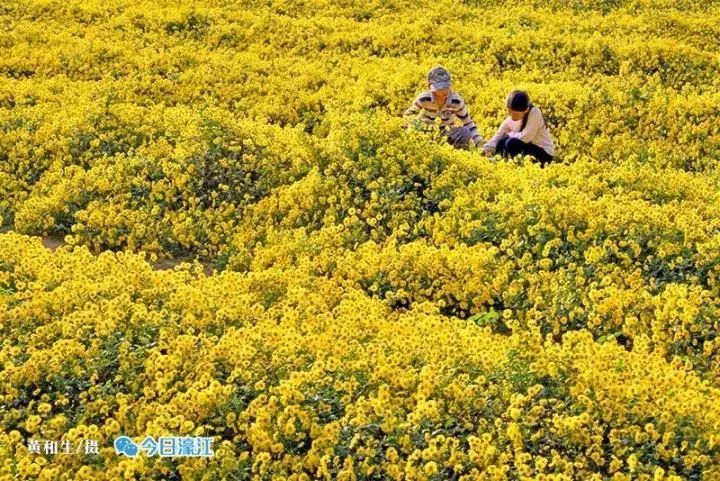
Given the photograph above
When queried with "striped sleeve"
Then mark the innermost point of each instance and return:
(420, 110)
(462, 113)
(419, 103)
(414, 108)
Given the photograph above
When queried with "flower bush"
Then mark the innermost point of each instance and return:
(296, 376)
(382, 306)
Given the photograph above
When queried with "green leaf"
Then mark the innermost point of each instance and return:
(485, 318)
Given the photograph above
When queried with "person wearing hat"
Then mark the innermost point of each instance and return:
(441, 101)
(523, 132)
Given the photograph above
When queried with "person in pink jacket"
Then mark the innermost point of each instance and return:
(523, 132)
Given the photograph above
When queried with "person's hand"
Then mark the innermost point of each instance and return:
(488, 150)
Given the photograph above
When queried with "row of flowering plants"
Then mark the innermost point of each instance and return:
(296, 376)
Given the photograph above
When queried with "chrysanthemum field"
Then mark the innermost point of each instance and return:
(381, 306)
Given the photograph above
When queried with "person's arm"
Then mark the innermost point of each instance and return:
(467, 121)
(502, 130)
(534, 122)
(414, 109)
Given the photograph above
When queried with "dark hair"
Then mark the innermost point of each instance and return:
(518, 100)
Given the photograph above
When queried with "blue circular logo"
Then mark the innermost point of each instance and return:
(125, 445)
